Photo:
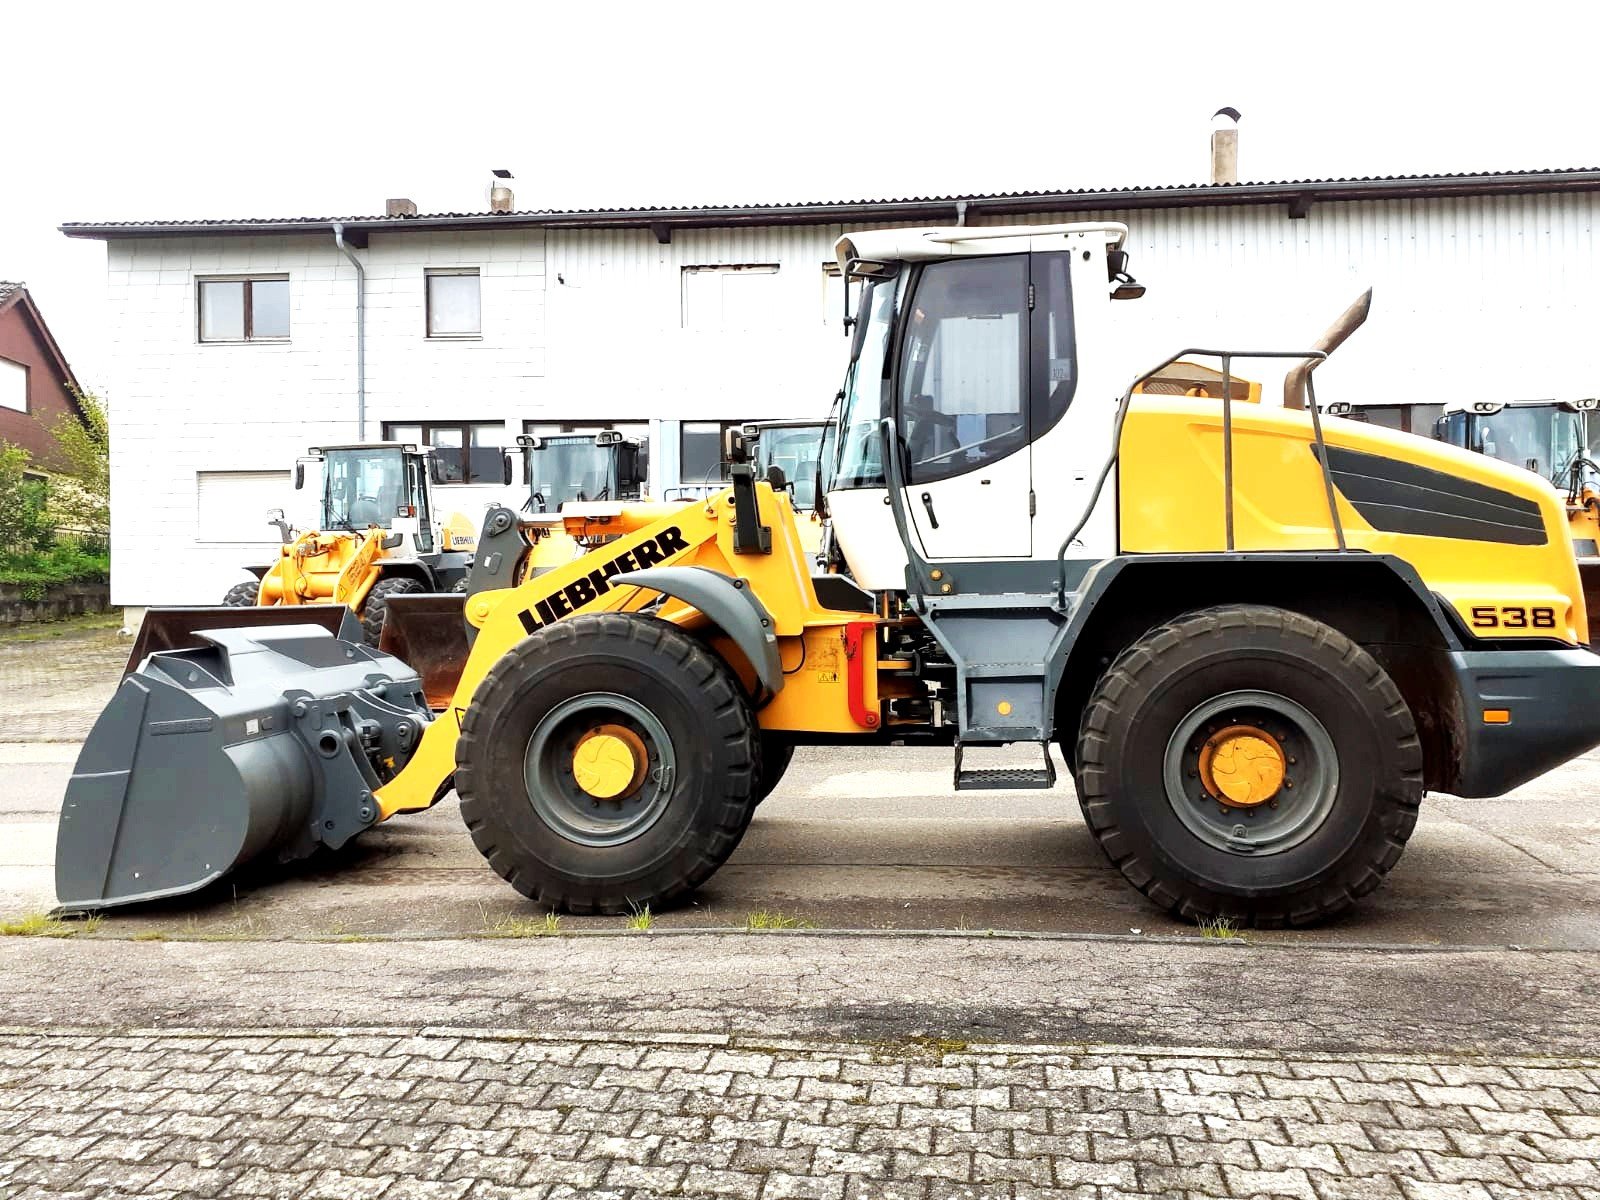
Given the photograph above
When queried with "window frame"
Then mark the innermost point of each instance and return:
(687, 269)
(425, 438)
(27, 387)
(248, 282)
(429, 274)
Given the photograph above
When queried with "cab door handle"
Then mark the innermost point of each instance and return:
(927, 503)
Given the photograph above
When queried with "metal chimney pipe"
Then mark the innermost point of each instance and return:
(1225, 146)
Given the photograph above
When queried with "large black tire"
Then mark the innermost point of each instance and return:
(243, 595)
(776, 754)
(1142, 797)
(681, 831)
(376, 607)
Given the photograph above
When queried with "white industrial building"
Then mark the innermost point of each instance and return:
(239, 343)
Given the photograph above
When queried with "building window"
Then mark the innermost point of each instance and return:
(238, 309)
(719, 299)
(13, 385)
(463, 451)
(700, 451)
(453, 308)
(231, 506)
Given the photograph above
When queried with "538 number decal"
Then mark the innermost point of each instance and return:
(1513, 616)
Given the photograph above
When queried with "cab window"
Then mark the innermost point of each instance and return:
(963, 366)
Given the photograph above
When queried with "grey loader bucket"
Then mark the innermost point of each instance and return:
(251, 742)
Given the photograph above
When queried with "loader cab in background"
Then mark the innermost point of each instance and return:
(795, 448)
(382, 484)
(1548, 437)
(978, 343)
(567, 468)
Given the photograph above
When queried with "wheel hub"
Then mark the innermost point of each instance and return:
(609, 761)
(1242, 766)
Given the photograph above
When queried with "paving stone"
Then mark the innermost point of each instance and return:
(457, 1115)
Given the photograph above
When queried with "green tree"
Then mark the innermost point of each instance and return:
(24, 527)
(84, 505)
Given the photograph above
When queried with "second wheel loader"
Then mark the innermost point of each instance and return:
(1253, 639)
(377, 537)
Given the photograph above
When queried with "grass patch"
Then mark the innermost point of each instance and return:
(1221, 929)
(149, 935)
(513, 926)
(242, 929)
(764, 918)
(640, 920)
(38, 924)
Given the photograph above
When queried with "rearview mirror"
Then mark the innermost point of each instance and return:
(505, 460)
(299, 476)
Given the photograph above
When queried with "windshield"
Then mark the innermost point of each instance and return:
(561, 470)
(866, 391)
(362, 487)
(794, 449)
(1544, 438)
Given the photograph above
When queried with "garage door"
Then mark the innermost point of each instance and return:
(231, 506)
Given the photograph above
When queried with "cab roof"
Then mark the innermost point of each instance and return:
(955, 241)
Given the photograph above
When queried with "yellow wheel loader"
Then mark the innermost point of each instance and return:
(377, 537)
(1255, 639)
(571, 469)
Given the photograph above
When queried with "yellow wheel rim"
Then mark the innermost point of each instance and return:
(1242, 766)
(609, 761)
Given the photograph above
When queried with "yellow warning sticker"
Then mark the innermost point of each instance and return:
(827, 677)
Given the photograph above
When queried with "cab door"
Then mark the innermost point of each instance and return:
(961, 385)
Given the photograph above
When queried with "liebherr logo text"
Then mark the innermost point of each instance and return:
(597, 582)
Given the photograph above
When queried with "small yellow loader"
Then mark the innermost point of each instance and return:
(377, 537)
(1255, 639)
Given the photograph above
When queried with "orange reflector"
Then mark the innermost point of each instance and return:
(1497, 716)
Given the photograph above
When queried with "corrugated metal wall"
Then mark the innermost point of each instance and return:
(1492, 297)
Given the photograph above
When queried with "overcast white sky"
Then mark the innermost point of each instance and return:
(149, 110)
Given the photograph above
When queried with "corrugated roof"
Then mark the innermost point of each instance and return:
(6, 288)
(1291, 191)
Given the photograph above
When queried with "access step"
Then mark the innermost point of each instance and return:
(996, 779)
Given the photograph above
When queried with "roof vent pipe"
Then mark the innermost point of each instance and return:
(500, 198)
(361, 331)
(1225, 146)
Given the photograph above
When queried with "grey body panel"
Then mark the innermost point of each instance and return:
(1550, 694)
(728, 604)
(259, 741)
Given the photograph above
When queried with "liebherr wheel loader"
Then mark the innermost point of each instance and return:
(1250, 635)
(377, 537)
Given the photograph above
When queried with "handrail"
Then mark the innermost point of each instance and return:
(1311, 358)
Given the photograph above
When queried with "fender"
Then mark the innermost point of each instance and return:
(727, 604)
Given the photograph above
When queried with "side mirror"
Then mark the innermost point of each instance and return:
(735, 447)
(299, 478)
(505, 461)
(274, 515)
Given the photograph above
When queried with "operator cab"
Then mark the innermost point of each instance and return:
(795, 448)
(568, 468)
(992, 351)
(1551, 438)
(381, 484)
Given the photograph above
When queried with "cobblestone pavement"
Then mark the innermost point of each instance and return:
(55, 687)
(392, 1114)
